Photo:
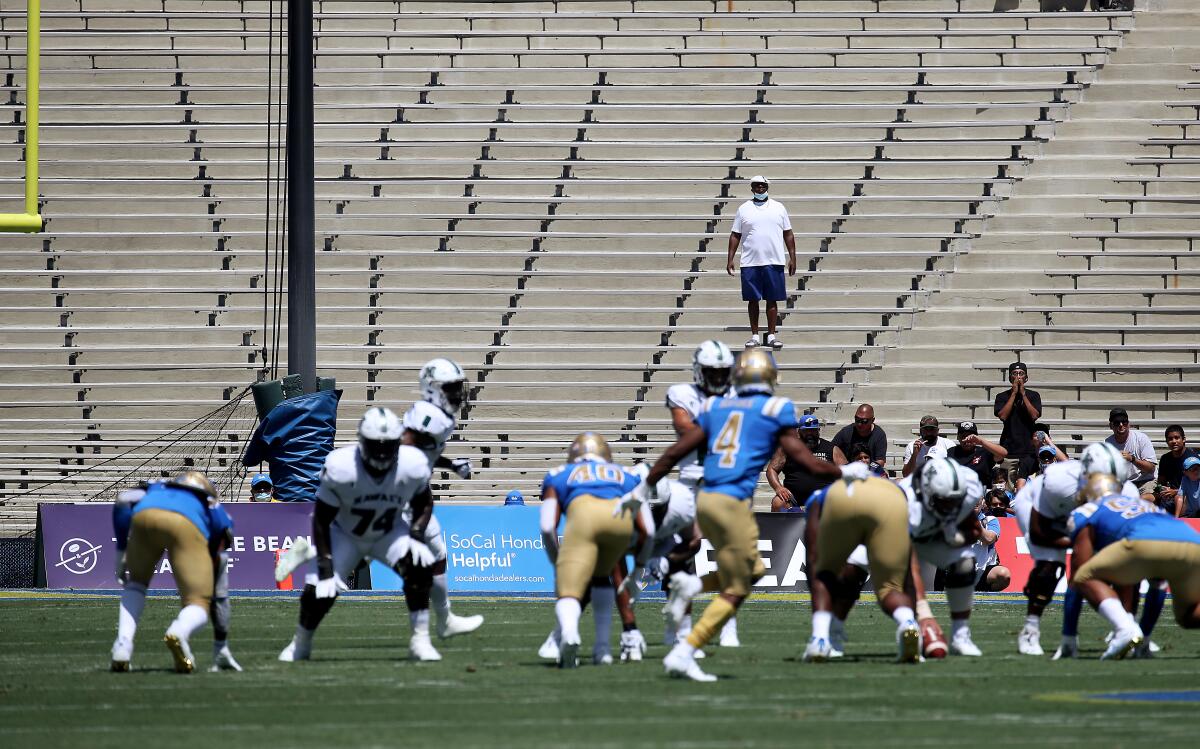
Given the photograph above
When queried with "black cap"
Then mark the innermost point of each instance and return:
(1118, 413)
(1018, 365)
(967, 427)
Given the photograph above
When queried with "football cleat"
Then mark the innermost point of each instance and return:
(1029, 641)
(729, 635)
(684, 588)
(549, 648)
(1122, 643)
(295, 651)
(122, 653)
(458, 625)
(290, 560)
(837, 638)
(1145, 649)
(1068, 649)
(934, 642)
(818, 650)
(602, 658)
(223, 660)
(185, 662)
(681, 665)
(633, 646)
(568, 655)
(420, 648)
(908, 643)
(961, 644)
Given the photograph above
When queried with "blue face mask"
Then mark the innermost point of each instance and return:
(759, 197)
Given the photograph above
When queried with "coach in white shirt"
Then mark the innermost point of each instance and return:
(764, 231)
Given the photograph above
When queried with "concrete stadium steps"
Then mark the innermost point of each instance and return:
(579, 200)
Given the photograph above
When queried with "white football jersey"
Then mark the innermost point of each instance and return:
(368, 508)
(428, 419)
(1055, 497)
(924, 526)
(681, 512)
(691, 399)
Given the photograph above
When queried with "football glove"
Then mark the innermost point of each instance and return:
(461, 466)
(657, 568)
(120, 567)
(856, 471)
(331, 586)
(630, 584)
(422, 555)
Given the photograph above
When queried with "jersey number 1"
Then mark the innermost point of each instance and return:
(729, 440)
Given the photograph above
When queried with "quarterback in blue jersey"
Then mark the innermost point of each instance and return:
(182, 517)
(1153, 545)
(739, 434)
(588, 490)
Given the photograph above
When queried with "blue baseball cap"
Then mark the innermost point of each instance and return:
(514, 498)
(1191, 462)
(261, 478)
(1047, 450)
(808, 421)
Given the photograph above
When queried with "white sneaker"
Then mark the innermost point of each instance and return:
(633, 646)
(684, 588)
(908, 643)
(568, 655)
(458, 625)
(1122, 643)
(181, 653)
(420, 648)
(774, 342)
(1029, 642)
(1154, 647)
(290, 560)
(961, 644)
(818, 650)
(223, 660)
(729, 635)
(122, 654)
(699, 654)
(753, 342)
(681, 665)
(549, 648)
(1068, 649)
(602, 658)
(295, 652)
(837, 639)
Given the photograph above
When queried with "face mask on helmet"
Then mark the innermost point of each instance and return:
(379, 434)
(379, 455)
(443, 384)
(715, 380)
(940, 487)
(455, 394)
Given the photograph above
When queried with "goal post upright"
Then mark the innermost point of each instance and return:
(30, 221)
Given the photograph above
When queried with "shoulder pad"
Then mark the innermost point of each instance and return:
(426, 417)
(774, 406)
(341, 465)
(412, 463)
(683, 396)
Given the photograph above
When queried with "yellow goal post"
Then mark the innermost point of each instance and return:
(30, 220)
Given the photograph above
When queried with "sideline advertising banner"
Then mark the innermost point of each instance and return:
(79, 551)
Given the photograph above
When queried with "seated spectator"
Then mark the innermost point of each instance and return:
(996, 502)
(1135, 447)
(915, 452)
(861, 453)
(1189, 489)
(262, 488)
(795, 486)
(976, 453)
(990, 575)
(863, 431)
(1039, 440)
(1164, 490)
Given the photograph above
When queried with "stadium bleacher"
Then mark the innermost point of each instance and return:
(542, 190)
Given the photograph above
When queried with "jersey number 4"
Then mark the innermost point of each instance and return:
(367, 521)
(729, 440)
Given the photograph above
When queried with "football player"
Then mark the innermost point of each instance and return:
(184, 518)
(739, 435)
(712, 368)
(1042, 507)
(1153, 545)
(589, 490)
(427, 426)
(944, 525)
(840, 517)
(366, 496)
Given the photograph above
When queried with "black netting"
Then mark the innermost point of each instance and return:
(18, 562)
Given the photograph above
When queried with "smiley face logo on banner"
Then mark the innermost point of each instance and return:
(78, 556)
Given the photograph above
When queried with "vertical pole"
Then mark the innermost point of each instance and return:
(33, 54)
(301, 220)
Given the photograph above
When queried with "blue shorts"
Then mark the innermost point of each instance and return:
(764, 282)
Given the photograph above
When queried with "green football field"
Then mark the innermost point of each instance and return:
(492, 690)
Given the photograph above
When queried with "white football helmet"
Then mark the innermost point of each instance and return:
(712, 366)
(1101, 457)
(379, 433)
(940, 488)
(1060, 483)
(444, 384)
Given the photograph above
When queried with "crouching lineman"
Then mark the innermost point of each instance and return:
(182, 517)
(588, 489)
(740, 434)
(1153, 545)
(427, 426)
(944, 526)
(366, 494)
(1043, 507)
(840, 517)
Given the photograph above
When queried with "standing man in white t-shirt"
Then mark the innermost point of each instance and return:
(764, 231)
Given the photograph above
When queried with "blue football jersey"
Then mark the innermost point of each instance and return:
(1118, 517)
(594, 477)
(741, 433)
(209, 520)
